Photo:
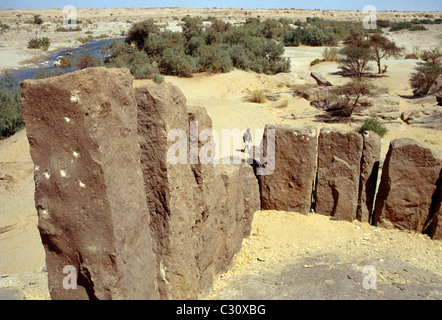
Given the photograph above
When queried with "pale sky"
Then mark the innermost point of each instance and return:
(399, 5)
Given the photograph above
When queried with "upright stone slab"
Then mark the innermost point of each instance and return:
(289, 186)
(436, 213)
(369, 175)
(408, 182)
(200, 211)
(230, 198)
(170, 187)
(337, 183)
(93, 217)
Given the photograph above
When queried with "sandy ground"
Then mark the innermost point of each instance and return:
(278, 238)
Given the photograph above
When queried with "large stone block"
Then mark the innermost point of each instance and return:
(337, 183)
(436, 212)
(170, 188)
(200, 211)
(369, 175)
(408, 182)
(289, 186)
(82, 129)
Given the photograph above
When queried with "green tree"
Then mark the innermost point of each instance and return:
(381, 47)
(355, 58)
(192, 27)
(140, 31)
(427, 72)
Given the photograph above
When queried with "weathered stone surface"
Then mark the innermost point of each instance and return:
(436, 212)
(424, 117)
(170, 189)
(230, 196)
(320, 79)
(378, 105)
(315, 94)
(337, 183)
(82, 129)
(201, 211)
(369, 175)
(289, 187)
(408, 181)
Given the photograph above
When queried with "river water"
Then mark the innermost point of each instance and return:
(92, 48)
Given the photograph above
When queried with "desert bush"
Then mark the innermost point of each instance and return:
(239, 57)
(38, 20)
(428, 72)
(417, 27)
(426, 21)
(192, 27)
(41, 74)
(83, 61)
(177, 63)
(10, 110)
(3, 27)
(257, 96)
(396, 26)
(372, 124)
(140, 31)
(311, 37)
(39, 43)
(348, 96)
(138, 62)
(155, 46)
(355, 59)
(213, 59)
(383, 23)
(330, 54)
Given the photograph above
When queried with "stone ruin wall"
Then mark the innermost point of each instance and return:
(135, 226)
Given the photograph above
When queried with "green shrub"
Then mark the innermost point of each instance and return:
(138, 62)
(213, 59)
(140, 31)
(39, 43)
(330, 54)
(427, 21)
(10, 109)
(417, 27)
(177, 63)
(372, 124)
(37, 20)
(396, 26)
(383, 23)
(3, 27)
(47, 74)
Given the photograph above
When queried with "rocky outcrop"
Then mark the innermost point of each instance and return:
(337, 182)
(408, 182)
(425, 117)
(289, 187)
(320, 79)
(369, 175)
(82, 129)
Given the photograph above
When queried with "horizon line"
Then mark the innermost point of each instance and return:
(224, 8)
